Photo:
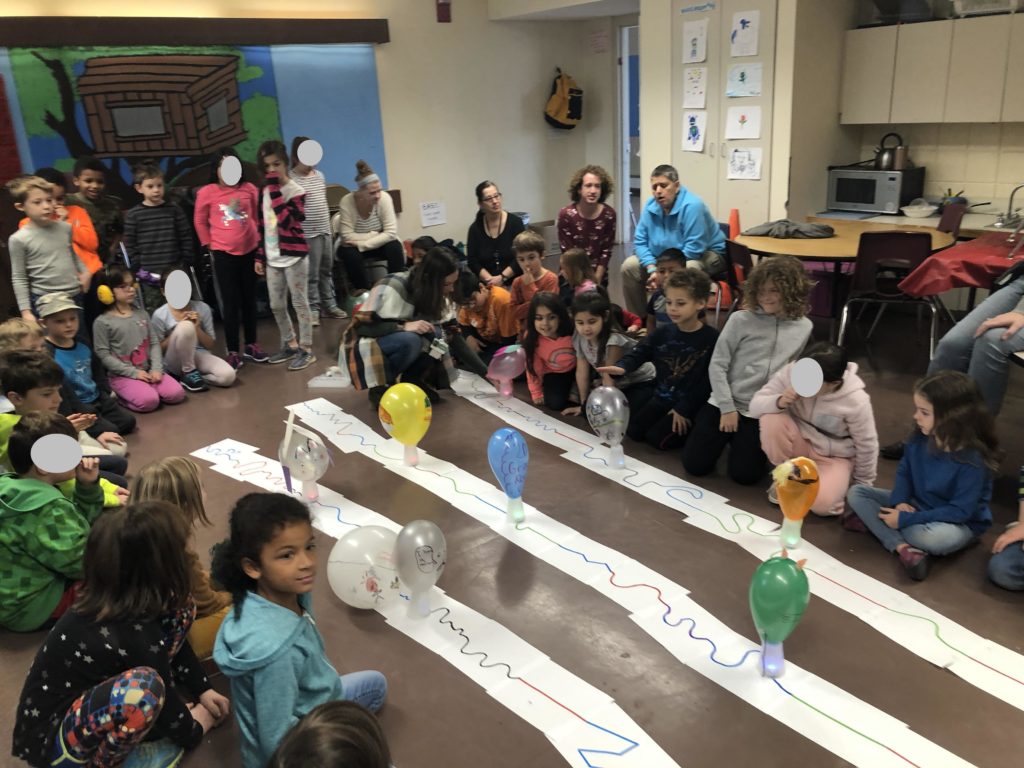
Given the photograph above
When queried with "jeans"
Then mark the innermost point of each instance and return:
(985, 359)
(321, 274)
(1007, 568)
(294, 281)
(933, 538)
(368, 688)
(400, 350)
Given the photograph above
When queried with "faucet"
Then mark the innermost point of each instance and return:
(1010, 218)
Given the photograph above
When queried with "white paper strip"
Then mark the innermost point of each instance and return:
(993, 668)
(662, 603)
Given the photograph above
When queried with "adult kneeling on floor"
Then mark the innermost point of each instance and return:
(396, 334)
(674, 217)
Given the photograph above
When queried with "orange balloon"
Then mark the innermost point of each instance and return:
(797, 484)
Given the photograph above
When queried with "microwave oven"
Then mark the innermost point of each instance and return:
(862, 189)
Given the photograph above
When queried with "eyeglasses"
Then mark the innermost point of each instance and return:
(491, 198)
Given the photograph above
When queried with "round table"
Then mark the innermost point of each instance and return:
(840, 247)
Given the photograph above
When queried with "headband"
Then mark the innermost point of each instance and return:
(367, 180)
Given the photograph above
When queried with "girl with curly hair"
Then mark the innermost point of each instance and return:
(757, 341)
(588, 222)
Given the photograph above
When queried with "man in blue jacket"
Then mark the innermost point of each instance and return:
(673, 218)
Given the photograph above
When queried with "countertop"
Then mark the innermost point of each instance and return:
(972, 225)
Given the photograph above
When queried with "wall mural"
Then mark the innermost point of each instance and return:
(178, 104)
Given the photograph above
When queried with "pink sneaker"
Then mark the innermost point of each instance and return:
(255, 353)
(234, 360)
(851, 522)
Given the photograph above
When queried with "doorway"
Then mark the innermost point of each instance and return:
(629, 175)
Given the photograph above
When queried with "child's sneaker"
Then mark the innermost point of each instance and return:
(154, 754)
(851, 522)
(773, 495)
(255, 353)
(303, 359)
(283, 356)
(234, 360)
(916, 562)
(193, 381)
(336, 312)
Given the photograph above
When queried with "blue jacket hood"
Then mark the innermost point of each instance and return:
(264, 631)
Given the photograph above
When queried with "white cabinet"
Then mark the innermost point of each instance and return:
(919, 84)
(869, 59)
(977, 70)
(1013, 92)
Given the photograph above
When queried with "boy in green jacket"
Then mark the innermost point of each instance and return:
(42, 533)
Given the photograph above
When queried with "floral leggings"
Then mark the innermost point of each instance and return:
(105, 723)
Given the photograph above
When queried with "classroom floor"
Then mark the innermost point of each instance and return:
(435, 716)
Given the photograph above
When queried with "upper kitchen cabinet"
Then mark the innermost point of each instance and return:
(919, 85)
(869, 60)
(1013, 93)
(977, 70)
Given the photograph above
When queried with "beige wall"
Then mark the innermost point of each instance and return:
(460, 102)
(985, 160)
(817, 140)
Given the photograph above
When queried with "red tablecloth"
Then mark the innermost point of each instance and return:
(973, 264)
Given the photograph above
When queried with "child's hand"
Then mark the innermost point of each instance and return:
(81, 421)
(192, 316)
(417, 326)
(142, 376)
(891, 516)
(203, 716)
(680, 424)
(495, 280)
(88, 471)
(473, 343)
(787, 398)
(155, 377)
(634, 328)
(260, 268)
(572, 410)
(122, 495)
(606, 380)
(29, 317)
(61, 213)
(904, 507)
(652, 282)
(85, 280)
(611, 370)
(729, 422)
(217, 705)
(107, 439)
(1008, 537)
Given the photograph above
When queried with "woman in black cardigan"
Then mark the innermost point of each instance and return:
(489, 241)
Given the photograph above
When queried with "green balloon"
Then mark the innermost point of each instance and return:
(779, 594)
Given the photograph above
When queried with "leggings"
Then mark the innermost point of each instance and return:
(109, 720)
(235, 280)
(355, 261)
(557, 388)
(293, 281)
(747, 463)
(181, 357)
(143, 397)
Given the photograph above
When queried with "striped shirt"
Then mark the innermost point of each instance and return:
(318, 215)
(370, 224)
(157, 237)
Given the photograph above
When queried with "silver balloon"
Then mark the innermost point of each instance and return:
(420, 556)
(608, 414)
(361, 567)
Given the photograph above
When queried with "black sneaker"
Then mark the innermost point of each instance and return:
(892, 451)
(193, 381)
(283, 356)
(303, 359)
(375, 394)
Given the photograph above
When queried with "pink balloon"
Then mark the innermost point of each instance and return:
(507, 363)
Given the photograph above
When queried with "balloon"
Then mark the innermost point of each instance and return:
(509, 456)
(797, 484)
(507, 364)
(779, 594)
(807, 377)
(608, 414)
(420, 555)
(404, 413)
(361, 567)
(353, 303)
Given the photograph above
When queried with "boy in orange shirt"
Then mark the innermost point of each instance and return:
(485, 317)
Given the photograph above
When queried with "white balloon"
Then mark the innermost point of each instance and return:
(56, 453)
(310, 152)
(361, 567)
(178, 289)
(231, 170)
(807, 377)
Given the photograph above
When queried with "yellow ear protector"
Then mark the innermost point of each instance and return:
(105, 295)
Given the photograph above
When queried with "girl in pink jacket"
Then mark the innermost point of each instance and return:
(835, 428)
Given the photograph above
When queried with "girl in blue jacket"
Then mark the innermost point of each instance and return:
(269, 645)
(939, 504)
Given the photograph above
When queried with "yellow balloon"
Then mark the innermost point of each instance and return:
(404, 413)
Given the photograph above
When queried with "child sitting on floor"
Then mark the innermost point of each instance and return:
(835, 428)
(108, 686)
(529, 248)
(939, 503)
(42, 533)
(550, 357)
(669, 261)
(575, 275)
(485, 316)
(269, 645)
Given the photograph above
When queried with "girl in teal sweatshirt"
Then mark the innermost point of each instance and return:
(269, 645)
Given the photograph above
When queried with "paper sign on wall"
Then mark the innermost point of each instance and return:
(745, 163)
(695, 90)
(743, 80)
(694, 127)
(743, 38)
(432, 214)
(695, 41)
(743, 123)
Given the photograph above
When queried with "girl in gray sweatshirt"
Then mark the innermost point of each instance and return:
(770, 331)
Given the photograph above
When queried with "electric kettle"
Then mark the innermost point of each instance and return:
(892, 158)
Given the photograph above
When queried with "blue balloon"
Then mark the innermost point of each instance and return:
(508, 454)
